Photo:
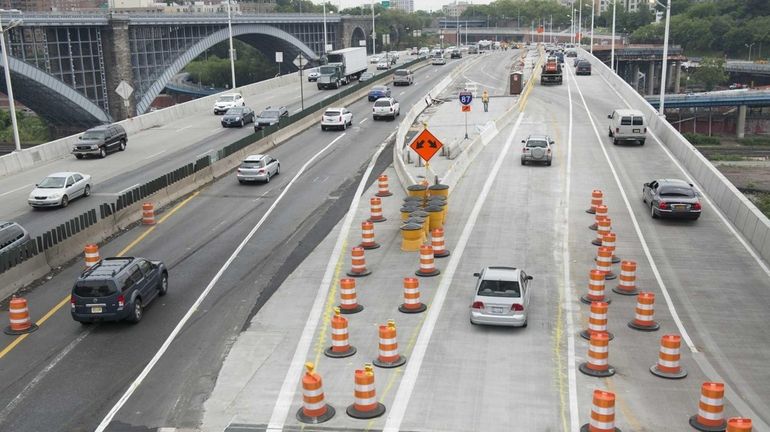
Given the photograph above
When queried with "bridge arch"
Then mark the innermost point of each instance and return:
(356, 36)
(280, 38)
(52, 99)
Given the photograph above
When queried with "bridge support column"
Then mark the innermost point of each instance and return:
(651, 78)
(635, 75)
(677, 75)
(740, 129)
(117, 56)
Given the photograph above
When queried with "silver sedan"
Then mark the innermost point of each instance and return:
(58, 189)
(501, 297)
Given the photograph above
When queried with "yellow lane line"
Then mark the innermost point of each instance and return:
(66, 299)
(320, 343)
(628, 413)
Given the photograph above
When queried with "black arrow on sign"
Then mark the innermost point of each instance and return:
(419, 144)
(433, 144)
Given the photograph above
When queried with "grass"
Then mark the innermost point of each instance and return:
(761, 200)
(755, 141)
(726, 157)
(699, 139)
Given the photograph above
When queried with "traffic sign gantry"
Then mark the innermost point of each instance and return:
(426, 145)
(466, 97)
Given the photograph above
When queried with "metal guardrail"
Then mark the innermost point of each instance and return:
(736, 98)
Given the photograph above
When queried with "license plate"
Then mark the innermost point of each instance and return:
(497, 310)
(96, 309)
(637, 130)
(679, 207)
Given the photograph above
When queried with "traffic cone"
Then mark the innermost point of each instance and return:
(595, 288)
(367, 236)
(340, 345)
(382, 186)
(365, 405)
(375, 205)
(597, 321)
(668, 358)
(358, 266)
(598, 353)
(412, 302)
(437, 241)
(91, 253)
(601, 212)
(711, 416)
(18, 315)
(602, 413)
(738, 424)
(645, 313)
(148, 214)
(596, 201)
(314, 409)
(348, 297)
(388, 347)
(627, 279)
(427, 267)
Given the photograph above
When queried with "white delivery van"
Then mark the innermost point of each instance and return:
(627, 126)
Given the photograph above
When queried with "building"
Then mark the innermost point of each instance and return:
(52, 5)
(199, 6)
(455, 9)
(257, 6)
(404, 5)
(629, 5)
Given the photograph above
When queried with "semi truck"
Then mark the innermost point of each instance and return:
(343, 66)
(551, 73)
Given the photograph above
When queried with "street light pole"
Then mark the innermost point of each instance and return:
(232, 51)
(749, 47)
(593, 9)
(662, 107)
(7, 68)
(325, 41)
(374, 33)
(580, 23)
(612, 43)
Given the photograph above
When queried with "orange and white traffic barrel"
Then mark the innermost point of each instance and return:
(365, 405)
(596, 201)
(358, 263)
(340, 341)
(427, 264)
(348, 297)
(608, 240)
(738, 424)
(437, 241)
(604, 263)
(148, 214)
(645, 313)
(598, 357)
(601, 213)
(597, 321)
(314, 408)
(91, 253)
(668, 358)
(18, 315)
(388, 356)
(375, 205)
(382, 186)
(603, 227)
(412, 303)
(367, 236)
(602, 413)
(627, 279)
(711, 416)
(595, 288)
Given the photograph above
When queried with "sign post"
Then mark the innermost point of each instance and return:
(426, 145)
(300, 63)
(124, 90)
(466, 98)
(279, 60)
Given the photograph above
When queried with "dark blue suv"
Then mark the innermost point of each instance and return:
(115, 289)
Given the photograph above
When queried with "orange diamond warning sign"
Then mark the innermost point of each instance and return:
(426, 145)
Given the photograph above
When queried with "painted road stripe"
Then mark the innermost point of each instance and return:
(154, 154)
(365, 119)
(293, 374)
(405, 389)
(16, 190)
(174, 333)
(127, 189)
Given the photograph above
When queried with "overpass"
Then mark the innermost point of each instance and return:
(66, 66)
(522, 34)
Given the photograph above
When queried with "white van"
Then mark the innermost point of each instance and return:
(627, 125)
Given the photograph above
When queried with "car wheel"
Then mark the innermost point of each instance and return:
(471, 321)
(163, 287)
(652, 211)
(65, 201)
(87, 191)
(122, 145)
(278, 169)
(614, 142)
(102, 153)
(79, 156)
(641, 142)
(344, 125)
(323, 128)
(267, 178)
(242, 123)
(137, 311)
(86, 323)
(525, 324)
(241, 181)
(609, 133)
(523, 162)
(548, 163)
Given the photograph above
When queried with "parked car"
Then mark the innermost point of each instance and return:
(116, 289)
(403, 77)
(339, 118)
(258, 167)
(238, 116)
(583, 68)
(270, 116)
(537, 148)
(12, 236)
(386, 107)
(627, 126)
(501, 297)
(672, 198)
(313, 75)
(100, 140)
(227, 101)
(366, 76)
(58, 189)
(438, 60)
(383, 65)
(378, 91)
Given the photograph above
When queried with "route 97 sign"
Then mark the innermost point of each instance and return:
(466, 97)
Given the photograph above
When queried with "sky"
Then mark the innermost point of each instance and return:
(427, 5)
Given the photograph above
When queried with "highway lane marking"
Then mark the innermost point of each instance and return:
(402, 93)
(178, 328)
(154, 154)
(409, 380)
(66, 299)
(324, 298)
(16, 190)
(217, 129)
(365, 119)
(127, 189)
(186, 127)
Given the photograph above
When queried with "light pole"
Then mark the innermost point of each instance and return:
(593, 9)
(749, 47)
(7, 68)
(325, 42)
(232, 51)
(374, 33)
(580, 23)
(665, 57)
(572, 22)
(612, 42)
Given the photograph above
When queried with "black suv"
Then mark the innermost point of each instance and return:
(115, 289)
(456, 54)
(270, 116)
(100, 140)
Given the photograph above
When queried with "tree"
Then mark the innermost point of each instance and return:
(710, 72)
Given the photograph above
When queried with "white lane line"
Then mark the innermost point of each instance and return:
(16, 190)
(42, 374)
(127, 189)
(154, 154)
(203, 154)
(293, 374)
(408, 381)
(217, 129)
(574, 416)
(402, 93)
(638, 229)
(174, 333)
(186, 127)
(365, 119)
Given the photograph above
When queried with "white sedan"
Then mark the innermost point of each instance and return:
(383, 65)
(374, 59)
(336, 118)
(59, 189)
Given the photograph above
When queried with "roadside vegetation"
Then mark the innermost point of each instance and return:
(32, 129)
(212, 68)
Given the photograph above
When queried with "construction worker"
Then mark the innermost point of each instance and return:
(485, 100)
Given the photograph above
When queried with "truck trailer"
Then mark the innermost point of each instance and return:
(343, 66)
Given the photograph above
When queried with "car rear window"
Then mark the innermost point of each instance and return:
(638, 121)
(94, 289)
(10, 234)
(401, 73)
(676, 191)
(270, 114)
(382, 103)
(499, 288)
(625, 121)
(536, 143)
(332, 113)
(93, 134)
(251, 164)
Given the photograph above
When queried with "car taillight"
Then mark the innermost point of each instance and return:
(548, 151)
(72, 301)
(477, 305)
(645, 130)
(121, 301)
(662, 205)
(517, 307)
(390, 109)
(524, 150)
(340, 118)
(696, 206)
(617, 130)
(240, 170)
(372, 109)
(261, 171)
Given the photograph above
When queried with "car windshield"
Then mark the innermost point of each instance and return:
(94, 289)
(270, 113)
(235, 110)
(401, 73)
(93, 135)
(499, 288)
(251, 164)
(537, 143)
(52, 183)
(226, 99)
(676, 191)
(382, 103)
(327, 70)
(379, 89)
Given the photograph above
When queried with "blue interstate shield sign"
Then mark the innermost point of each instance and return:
(466, 97)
